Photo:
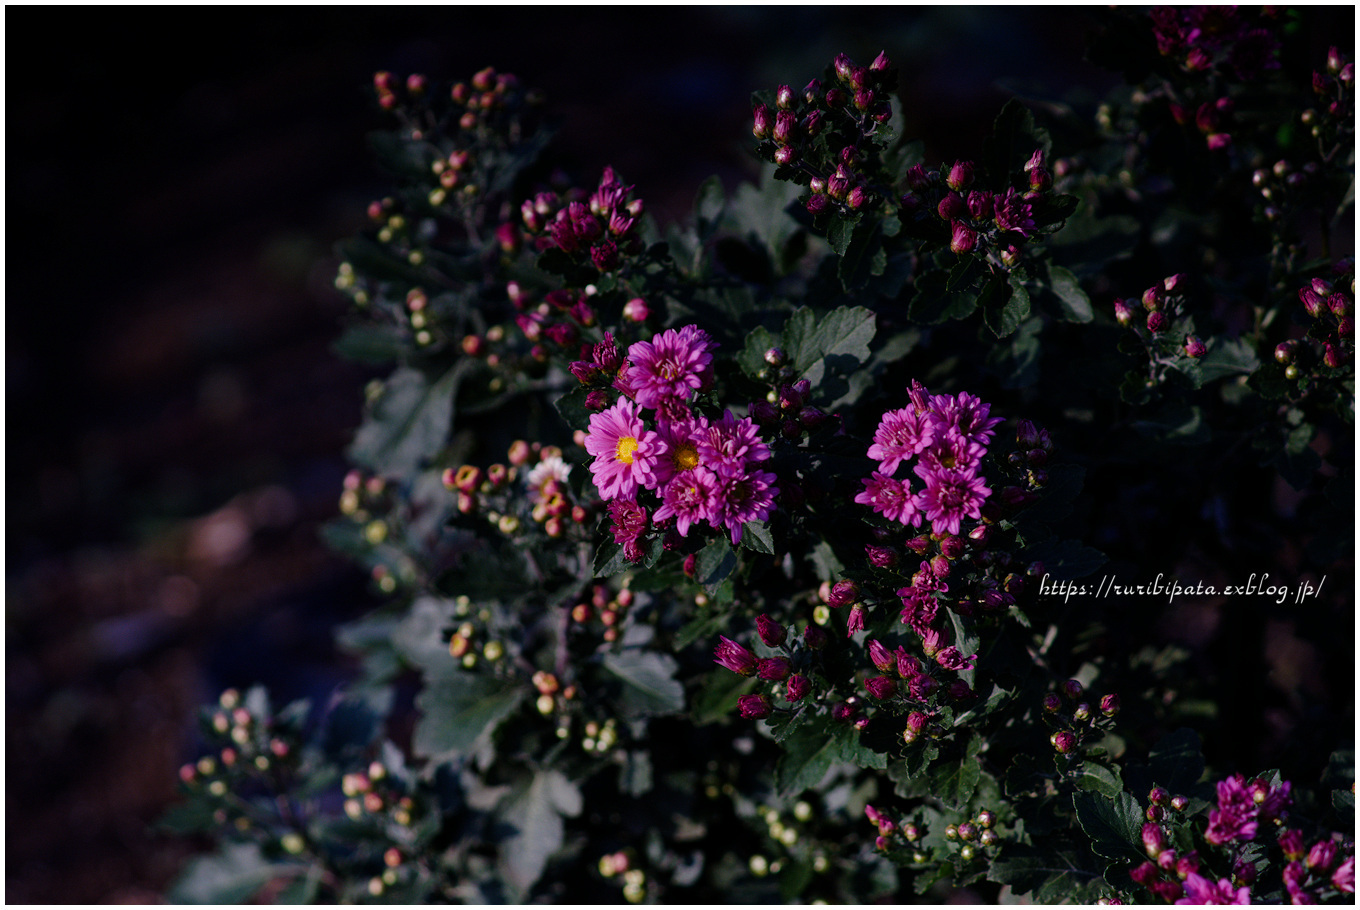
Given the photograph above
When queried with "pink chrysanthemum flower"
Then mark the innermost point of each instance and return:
(953, 452)
(950, 496)
(890, 498)
(963, 415)
(625, 451)
(1201, 890)
(691, 496)
(682, 439)
(729, 444)
(1014, 213)
(674, 364)
(749, 497)
(901, 434)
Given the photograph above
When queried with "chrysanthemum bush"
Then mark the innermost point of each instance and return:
(737, 562)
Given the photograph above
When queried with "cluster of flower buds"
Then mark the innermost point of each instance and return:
(1281, 186)
(894, 835)
(1314, 873)
(787, 670)
(1215, 39)
(1335, 90)
(978, 221)
(977, 831)
(378, 796)
(1211, 119)
(481, 103)
(246, 741)
(787, 407)
(1162, 330)
(827, 133)
(1332, 328)
(602, 229)
(603, 606)
(1072, 710)
(533, 486)
(389, 88)
(621, 865)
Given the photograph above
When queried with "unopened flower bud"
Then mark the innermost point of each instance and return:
(817, 203)
(1285, 352)
(1178, 803)
(962, 238)
(1156, 322)
(1331, 357)
(1123, 313)
(783, 98)
(1154, 841)
(1052, 703)
(785, 127)
(1109, 705)
(960, 175)
(1152, 298)
(636, 310)
(784, 155)
(734, 657)
(815, 637)
(843, 712)
(1064, 741)
(843, 593)
(1291, 842)
(754, 707)
(763, 122)
(774, 669)
(881, 686)
(798, 687)
(771, 632)
(881, 557)
(952, 207)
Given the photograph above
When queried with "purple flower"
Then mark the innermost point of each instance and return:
(728, 445)
(1343, 879)
(770, 632)
(689, 497)
(963, 415)
(798, 687)
(890, 498)
(1014, 213)
(901, 434)
(919, 608)
(775, 669)
(956, 451)
(1235, 817)
(1200, 890)
(952, 659)
(625, 451)
(754, 707)
(855, 621)
(743, 499)
(629, 520)
(674, 364)
(682, 445)
(1322, 855)
(880, 655)
(734, 657)
(881, 686)
(951, 494)
(908, 667)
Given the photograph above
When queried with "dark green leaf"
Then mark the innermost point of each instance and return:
(460, 708)
(649, 684)
(756, 536)
(1005, 304)
(372, 343)
(1177, 762)
(1075, 305)
(840, 232)
(1098, 778)
(1014, 138)
(933, 303)
(808, 754)
(1114, 826)
(953, 781)
(535, 808)
(714, 563)
(717, 695)
(1227, 358)
(843, 334)
(408, 423)
(232, 875)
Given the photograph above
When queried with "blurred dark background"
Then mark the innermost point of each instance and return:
(176, 420)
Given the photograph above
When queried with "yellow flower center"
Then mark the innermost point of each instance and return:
(625, 449)
(685, 457)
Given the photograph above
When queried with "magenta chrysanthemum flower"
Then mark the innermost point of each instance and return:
(963, 415)
(674, 364)
(682, 439)
(1014, 213)
(628, 520)
(901, 434)
(728, 445)
(734, 657)
(743, 499)
(950, 496)
(960, 452)
(690, 496)
(1201, 890)
(625, 451)
(890, 498)
(1235, 817)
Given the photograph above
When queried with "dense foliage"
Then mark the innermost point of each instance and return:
(822, 548)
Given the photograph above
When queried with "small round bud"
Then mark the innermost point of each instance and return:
(1064, 741)
(951, 832)
(1123, 313)
(1052, 703)
(1109, 705)
(1072, 688)
(1178, 803)
(1194, 347)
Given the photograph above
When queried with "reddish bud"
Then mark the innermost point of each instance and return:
(770, 632)
(754, 707)
(798, 687)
